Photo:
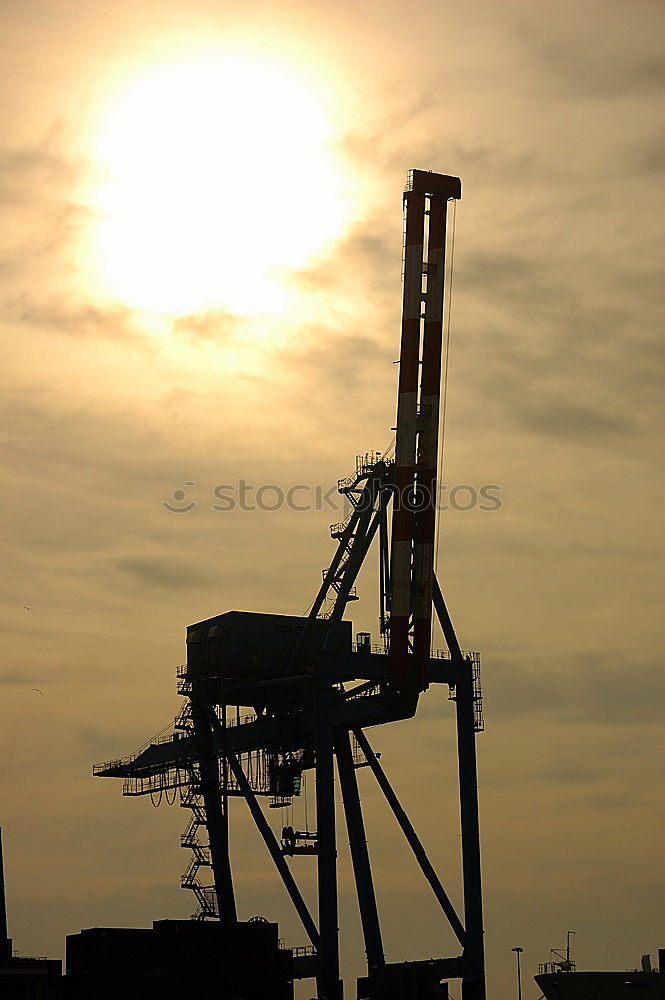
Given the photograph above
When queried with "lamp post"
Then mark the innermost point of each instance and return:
(519, 951)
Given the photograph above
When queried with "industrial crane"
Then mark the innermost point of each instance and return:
(310, 691)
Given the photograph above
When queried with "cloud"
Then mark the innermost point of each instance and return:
(18, 677)
(74, 317)
(164, 573)
(41, 248)
(333, 360)
(39, 264)
(35, 170)
(627, 64)
(561, 418)
(363, 267)
(650, 155)
(215, 325)
(596, 689)
(36, 195)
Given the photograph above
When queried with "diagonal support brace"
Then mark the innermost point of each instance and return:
(412, 838)
(268, 836)
(359, 853)
(445, 622)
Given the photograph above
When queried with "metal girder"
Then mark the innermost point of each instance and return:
(269, 839)
(473, 984)
(328, 983)
(356, 537)
(368, 524)
(445, 622)
(384, 572)
(369, 915)
(266, 731)
(412, 837)
(216, 808)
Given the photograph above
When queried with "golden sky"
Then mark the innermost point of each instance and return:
(200, 282)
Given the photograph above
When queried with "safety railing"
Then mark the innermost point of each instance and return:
(363, 692)
(435, 654)
(546, 968)
(242, 720)
(338, 529)
(365, 465)
(366, 647)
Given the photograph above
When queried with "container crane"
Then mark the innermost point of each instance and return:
(312, 692)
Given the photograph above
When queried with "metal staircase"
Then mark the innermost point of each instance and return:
(355, 489)
(205, 894)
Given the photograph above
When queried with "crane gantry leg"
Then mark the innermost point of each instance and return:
(216, 806)
(369, 915)
(328, 981)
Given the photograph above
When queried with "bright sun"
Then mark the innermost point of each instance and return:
(218, 178)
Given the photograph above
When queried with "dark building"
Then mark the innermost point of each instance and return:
(408, 981)
(171, 960)
(179, 958)
(251, 645)
(24, 978)
(30, 979)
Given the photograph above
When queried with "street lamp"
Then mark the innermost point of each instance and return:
(519, 951)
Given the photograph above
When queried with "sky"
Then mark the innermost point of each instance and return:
(200, 286)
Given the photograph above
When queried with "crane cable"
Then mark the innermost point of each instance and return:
(445, 383)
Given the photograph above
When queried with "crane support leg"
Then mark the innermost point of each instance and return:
(412, 837)
(269, 839)
(328, 982)
(216, 809)
(473, 983)
(359, 854)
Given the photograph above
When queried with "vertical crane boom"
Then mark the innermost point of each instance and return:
(418, 406)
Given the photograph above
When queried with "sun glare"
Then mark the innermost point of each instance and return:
(217, 178)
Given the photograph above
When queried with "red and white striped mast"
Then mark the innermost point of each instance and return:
(426, 200)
